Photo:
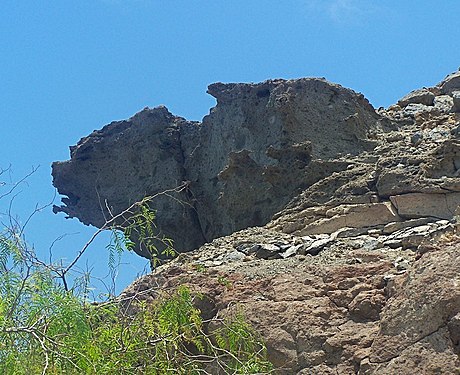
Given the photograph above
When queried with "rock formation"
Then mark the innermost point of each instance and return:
(349, 260)
(258, 148)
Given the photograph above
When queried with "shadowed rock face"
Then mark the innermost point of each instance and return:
(124, 162)
(259, 147)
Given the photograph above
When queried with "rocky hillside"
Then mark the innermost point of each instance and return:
(333, 226)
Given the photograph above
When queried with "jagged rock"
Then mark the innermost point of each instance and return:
(257, 149)
(316, 245)
(119, 165)
(412, 237)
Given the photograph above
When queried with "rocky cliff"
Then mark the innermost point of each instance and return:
(349, 260)
(259, 147)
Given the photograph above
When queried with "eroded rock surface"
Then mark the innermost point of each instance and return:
(359, 273)
(258, 148)
(356, 305)
(119, 165)
(354, 268)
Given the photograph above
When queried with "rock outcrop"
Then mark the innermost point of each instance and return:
(354, 267)
(257, 149)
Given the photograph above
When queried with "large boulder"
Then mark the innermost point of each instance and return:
(451, 83)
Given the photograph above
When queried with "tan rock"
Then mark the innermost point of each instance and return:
(353, 216)
(417, 205)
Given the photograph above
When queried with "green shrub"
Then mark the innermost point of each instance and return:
(48, 328)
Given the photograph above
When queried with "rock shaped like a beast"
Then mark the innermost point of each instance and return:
(259, 147)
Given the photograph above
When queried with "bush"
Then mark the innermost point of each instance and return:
(47, 327)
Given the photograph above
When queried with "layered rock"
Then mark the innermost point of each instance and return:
(358, 273)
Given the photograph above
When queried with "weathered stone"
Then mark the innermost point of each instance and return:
(421, 96)
(350, 232)
(317, 246)
(445, 164)
(450, 83)
(353, 216)
(412, 109)
(398, 180)
(376, 290)
(444, 103)
(260, 146)
(413, 236)
(367, 305)
(120, 164)
(454, 332)
(292, 250)
(456, 100)
(417, 205)
(416, 139)
(415, 320)
(393, 227)
(266, 251)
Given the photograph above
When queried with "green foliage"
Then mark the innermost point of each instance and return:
(48, 328)
(222, 280)
(139, 225)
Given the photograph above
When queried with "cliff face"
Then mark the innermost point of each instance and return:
(354, 267)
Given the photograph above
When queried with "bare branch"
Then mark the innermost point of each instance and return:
(16, 184)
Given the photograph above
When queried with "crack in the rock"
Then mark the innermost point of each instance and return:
(188, 192)
(410, 344)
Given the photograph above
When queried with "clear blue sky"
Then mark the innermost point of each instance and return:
(68, 67)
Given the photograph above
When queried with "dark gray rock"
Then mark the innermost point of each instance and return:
(456, 99)
(124, 162)
(257, 149)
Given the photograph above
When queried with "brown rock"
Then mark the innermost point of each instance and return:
(416, 319)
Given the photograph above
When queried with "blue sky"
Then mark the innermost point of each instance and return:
(68, 67)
